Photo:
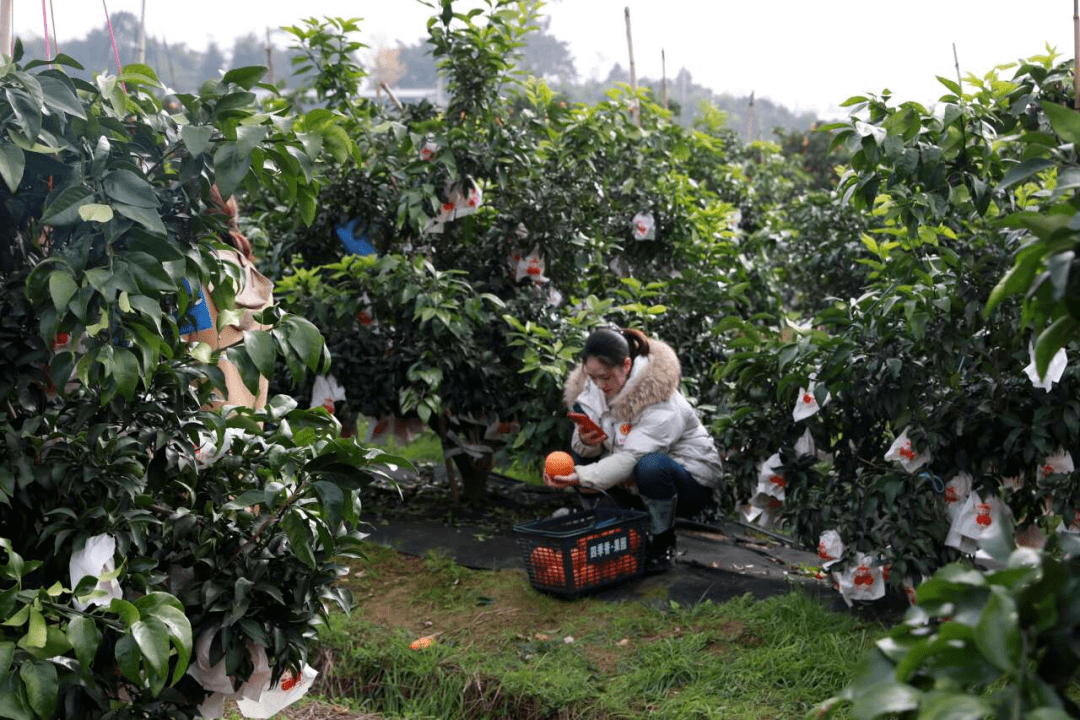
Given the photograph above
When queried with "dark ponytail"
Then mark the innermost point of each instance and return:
(611, 346)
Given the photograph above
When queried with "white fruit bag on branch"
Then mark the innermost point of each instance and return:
(95, 559)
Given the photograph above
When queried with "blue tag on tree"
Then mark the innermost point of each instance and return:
(356, 245)
(197, 316)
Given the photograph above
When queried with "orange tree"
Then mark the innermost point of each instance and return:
(914, 350)
(1001, 643)
(439, 323)
(224, 527)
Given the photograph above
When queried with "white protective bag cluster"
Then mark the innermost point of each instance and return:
(255, 698)
(326, 391)
(644, 226)
(460, 203)
(95, 559)
(864, 579)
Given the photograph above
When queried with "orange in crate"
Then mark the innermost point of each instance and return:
(616, 568)
(558, 463)
(547, 564)
(584, 573)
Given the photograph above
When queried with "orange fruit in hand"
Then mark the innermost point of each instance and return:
(558, 463)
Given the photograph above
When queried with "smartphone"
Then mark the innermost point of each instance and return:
(586, 423)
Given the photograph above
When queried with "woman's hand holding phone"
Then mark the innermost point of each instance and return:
(589, 432)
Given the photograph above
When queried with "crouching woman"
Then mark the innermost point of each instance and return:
(650, 449)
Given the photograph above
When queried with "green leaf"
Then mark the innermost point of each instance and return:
(885, 697)
(1016, 281)
(93, 329)
(13, 705)
(153, 641)
(338, 143)
(59, 94)
(203, 353)
(128, 657)
(1058, 265)
(249, 373)
(1053, 339)
(229, 104)
(12, 165)
(297, 532)
(95, 212)
(332, 499)
(151, 603)
(147, 217)
(62, 287)
(56, 643)
(84, 636)
(62, 59)
(63, 209)
(127, 612)
(27, 112)
(36, 635)
(301, 159)
(196, 137)
(246, 77)
(953, 86)
(42, 686)
(305, 339)
(139, 74)
(958, 706)
(1064, 120)
(179, 628)
(308, 204)
(150, 274)
(18, 618)
(1046, 713)
(127, 187)
(230, 166)
(248, 137)
(7, 654)
(125, 372)
(260, 347)
(246, 499)
(1022, 171)
(997, 633)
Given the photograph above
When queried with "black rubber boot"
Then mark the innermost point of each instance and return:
(660, 552)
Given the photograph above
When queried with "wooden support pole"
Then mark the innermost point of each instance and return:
(142, 35)
(56, 37)
(956, 64)
(663, 77)
(168, 56)
(635, 110)
(5, 26)
(1076, 54)
(269, 58)
(390, 93)
(751, 121)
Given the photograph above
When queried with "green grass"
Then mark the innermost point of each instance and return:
(500, 650)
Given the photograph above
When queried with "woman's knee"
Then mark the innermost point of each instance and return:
(654, 474)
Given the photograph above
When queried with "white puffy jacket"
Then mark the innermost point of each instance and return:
(648, 415)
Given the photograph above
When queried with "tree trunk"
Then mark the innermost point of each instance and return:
(474, 474)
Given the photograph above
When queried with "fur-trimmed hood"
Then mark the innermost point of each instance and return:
(657, 381)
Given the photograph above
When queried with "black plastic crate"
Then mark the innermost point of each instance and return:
(582, 552)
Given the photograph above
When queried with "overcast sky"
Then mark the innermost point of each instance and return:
(804, 55)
